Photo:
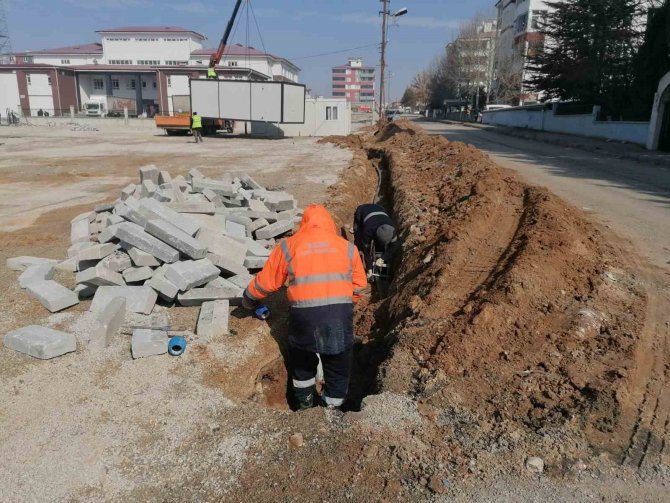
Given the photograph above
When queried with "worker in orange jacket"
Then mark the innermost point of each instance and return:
(325, 278)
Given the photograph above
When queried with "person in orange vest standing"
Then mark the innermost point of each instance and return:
(325, 278)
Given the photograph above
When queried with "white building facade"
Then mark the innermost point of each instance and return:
(519, 37)
(150, 65)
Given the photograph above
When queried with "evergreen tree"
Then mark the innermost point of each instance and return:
(652, 62)
(589, 53)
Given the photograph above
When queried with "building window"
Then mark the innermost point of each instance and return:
(120, 62)
(172, 62)
(49, 80)
(339, 70)
(338, 79)
(64, 61)
(338, 86)
(338, 94)
(148, 62)
(144, 84)
(98, 84)
(154, 85)
(232, 63)
(115, 83)
(331, 113)
(131, 84)
(169, 81)
(28, 79)
(27, 59)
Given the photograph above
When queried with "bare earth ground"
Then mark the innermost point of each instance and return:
(514, 327)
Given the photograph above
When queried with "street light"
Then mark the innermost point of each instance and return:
(385, 15)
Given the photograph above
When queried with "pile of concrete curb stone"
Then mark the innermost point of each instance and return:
(192, 240)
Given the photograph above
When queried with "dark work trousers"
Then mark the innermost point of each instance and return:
(197, 134)
(336, 372)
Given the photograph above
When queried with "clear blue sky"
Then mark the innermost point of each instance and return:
(290, 28)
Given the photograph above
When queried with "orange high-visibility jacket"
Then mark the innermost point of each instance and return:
(322, 268)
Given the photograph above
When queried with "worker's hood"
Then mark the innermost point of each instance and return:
(317, 217)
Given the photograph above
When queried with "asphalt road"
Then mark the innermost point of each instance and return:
(632, 198)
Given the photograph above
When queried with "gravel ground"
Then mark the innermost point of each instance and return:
(101, 426)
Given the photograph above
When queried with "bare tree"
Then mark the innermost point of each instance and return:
(507, 84)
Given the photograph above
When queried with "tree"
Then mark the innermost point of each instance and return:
(409, 98)
(652, 62)
(589, 53)
(507, 83)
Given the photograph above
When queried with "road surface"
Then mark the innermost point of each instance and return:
(633, 199)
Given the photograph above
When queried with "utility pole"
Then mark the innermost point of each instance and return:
(5, 42)
(385, 16)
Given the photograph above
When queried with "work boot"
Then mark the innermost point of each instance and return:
(304, 397)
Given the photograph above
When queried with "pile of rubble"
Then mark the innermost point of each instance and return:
(192, 240)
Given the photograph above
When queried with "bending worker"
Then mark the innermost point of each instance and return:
(372, 223)
(325, 278)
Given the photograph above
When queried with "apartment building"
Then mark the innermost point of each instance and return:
(355, 82)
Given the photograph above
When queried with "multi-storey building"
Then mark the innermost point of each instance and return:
(148, 64)
(471, 59)
(354, 82)
(520, 36)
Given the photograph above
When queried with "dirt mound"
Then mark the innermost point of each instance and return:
(511, 322)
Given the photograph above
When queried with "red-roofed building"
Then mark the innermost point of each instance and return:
(148, 64)
(355, 82)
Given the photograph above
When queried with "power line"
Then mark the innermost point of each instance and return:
(334, 52)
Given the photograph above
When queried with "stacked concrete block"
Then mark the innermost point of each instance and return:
(134, 235)
(137, 274)
(150, 173)
(274, 230)
(164, 288)
(99, 276)
(191, 273)
(140, 258)
(177, 238)
(40, 342)
(213, 319)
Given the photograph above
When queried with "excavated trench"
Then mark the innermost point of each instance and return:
(508, 311)
(371, 323)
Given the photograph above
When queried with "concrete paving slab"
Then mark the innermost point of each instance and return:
(40, 342)
(107, 323)
(197, 296)
(147, 342)
(277, 229)
(176, 238)
(164, 288)
(140, 258)
(213, 319)
(36, 273)
(99, 276)
(139, 299)
(52, 295)
(149, 172)
(137, 274)
(133, 234)
(227, 265)
(191, 273)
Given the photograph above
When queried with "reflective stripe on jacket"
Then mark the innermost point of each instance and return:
(197, 122)
(325, 277)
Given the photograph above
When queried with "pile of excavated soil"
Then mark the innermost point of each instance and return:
(512, 329)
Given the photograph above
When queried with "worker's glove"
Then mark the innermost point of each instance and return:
(380, 262)
(247, 302)
(369, 273)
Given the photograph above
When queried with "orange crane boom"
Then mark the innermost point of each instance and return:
(216, 57)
